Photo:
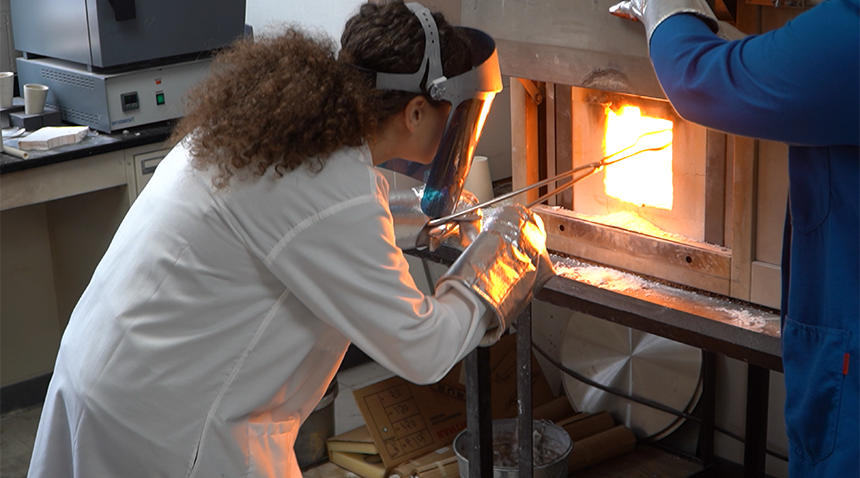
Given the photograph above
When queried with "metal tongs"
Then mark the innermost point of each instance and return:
(594, 167)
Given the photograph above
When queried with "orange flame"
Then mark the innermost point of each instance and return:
(646, 178)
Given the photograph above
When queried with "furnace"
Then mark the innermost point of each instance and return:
(659, 211)
(705, 211)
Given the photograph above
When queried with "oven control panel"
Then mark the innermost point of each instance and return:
(113, 102)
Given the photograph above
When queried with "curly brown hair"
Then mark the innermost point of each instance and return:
(288, 100)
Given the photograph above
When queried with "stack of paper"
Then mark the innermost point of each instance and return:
(52, 137)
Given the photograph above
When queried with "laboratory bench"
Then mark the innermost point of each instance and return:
(59, 210)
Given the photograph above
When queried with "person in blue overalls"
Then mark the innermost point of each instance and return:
(799, 85)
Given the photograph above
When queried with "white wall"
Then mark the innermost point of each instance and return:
(327, 16)
(7, 50)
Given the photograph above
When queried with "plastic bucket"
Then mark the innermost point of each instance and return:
(551, 450)
(310, 447)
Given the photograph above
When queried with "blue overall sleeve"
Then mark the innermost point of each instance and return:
(797, 84)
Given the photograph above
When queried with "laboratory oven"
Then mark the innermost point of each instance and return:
(116, 64)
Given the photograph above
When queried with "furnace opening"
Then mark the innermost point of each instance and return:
(659, 191)
(646, 178)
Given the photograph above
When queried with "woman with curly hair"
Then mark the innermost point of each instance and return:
(261, 248)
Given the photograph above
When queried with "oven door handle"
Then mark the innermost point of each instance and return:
(123, 10)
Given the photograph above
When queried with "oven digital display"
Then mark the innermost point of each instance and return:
(130, 101)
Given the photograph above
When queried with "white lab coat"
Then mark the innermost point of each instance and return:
(216, 319)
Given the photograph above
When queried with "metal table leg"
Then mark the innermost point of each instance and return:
(479, 413)
(524, 391)
(707, 404)
(758, 387)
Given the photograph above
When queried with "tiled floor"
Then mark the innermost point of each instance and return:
(18, 428)
(17, 434)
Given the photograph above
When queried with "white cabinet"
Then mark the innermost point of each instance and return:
(142, 165)
(56, 222)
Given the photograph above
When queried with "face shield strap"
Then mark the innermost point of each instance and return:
(429, 77)
(482, 81)
(470, 95)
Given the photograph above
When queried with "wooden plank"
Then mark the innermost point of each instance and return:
(715, 187)
(549, 139)
(564, 140)
(572, 43)
(766, 284)
(524, 142)
(699, 265)
(749, 18)
(771, 200)
(643, 462)
(743, 210)
(328, 470)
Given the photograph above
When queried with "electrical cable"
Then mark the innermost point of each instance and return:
(643, 401)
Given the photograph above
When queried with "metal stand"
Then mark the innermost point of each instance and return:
(524, 391)
(758, 388)
(479, 406)
(479, 419)
(676, 318)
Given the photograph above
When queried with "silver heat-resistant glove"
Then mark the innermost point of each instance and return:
(652, 12)
(506, 264)
(410, 222)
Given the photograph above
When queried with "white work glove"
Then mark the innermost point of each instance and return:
(506, 264)
(410, 222)
(652, 12)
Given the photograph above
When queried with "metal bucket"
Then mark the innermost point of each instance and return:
(551, 450)
(310, 447)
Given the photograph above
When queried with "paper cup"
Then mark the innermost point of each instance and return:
(34, 98)
(478, 181)
(7, 84)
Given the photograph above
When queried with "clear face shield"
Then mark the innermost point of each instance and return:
(470, 95)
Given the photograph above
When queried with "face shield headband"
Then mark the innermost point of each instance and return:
(470, 94)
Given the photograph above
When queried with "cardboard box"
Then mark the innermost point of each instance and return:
(408, 421)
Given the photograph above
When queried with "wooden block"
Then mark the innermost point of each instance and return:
(581, 427)
(554, 411)
(601, 447)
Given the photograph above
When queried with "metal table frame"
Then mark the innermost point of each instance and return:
(691, 323)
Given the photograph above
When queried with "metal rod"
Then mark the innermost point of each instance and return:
(595, 166)
(479, 419)
(450, 217)
(758, 383)
(561, 188)
(524, 393)
(708, 405)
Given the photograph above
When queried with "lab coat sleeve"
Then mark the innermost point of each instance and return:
(344, 266)
(781, 85)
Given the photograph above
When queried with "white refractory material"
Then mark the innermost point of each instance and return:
(34, 98)
(7, 84)
(478, 182)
